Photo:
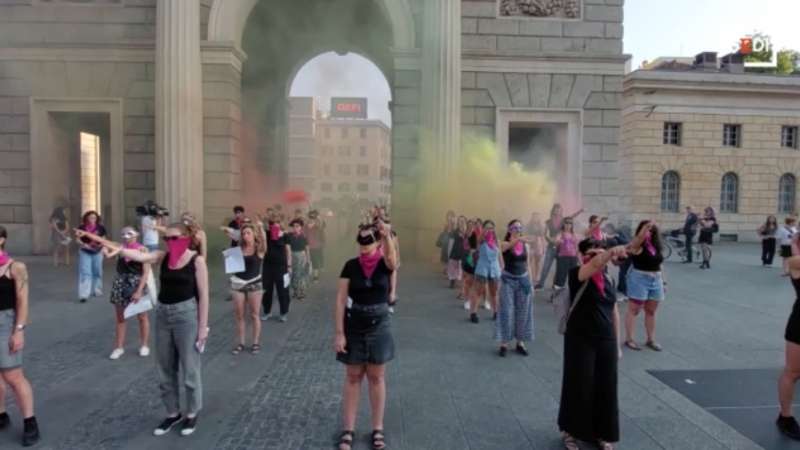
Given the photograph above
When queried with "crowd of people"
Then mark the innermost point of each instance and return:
(284, 255)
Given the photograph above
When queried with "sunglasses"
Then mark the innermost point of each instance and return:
(128, 236)
(171, 238)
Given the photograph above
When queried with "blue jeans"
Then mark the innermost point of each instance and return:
(549, 258)
(90, 274)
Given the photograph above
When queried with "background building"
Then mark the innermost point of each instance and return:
(338, 159)
(709, 134)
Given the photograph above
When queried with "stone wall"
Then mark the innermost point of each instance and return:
(550, 64)
(701, 161)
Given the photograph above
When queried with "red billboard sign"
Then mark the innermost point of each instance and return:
(349, 107)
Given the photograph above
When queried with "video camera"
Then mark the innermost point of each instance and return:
(152, 208)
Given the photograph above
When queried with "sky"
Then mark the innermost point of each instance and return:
(653, 28)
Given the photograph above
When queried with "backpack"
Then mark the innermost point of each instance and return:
(563, 304)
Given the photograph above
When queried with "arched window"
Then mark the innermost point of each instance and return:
(787, 186)
(729, 194)
(670, 191)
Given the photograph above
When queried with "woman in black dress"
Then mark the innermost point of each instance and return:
(708, 226)
(363, 336)
(589, 404)
(767, 233)
(791, 372)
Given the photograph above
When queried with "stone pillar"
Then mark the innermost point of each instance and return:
(179, 107)
(441, 81)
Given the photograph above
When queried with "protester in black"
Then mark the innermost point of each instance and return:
(363, 335)
(277, 265)
(689, 231)
(767, 232)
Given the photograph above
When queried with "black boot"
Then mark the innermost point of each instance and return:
(788, 426)
(31, 434)
(452, 284)
(5, 421)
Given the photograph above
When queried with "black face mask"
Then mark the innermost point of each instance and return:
(368, 239)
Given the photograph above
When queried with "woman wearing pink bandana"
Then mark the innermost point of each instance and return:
(90, 259)
(645, 283)
(589, 407)
(363, 339)
(487, 269)
(515, 309)
(129, 286)
(181, 320)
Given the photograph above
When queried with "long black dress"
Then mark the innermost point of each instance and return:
(589, 406)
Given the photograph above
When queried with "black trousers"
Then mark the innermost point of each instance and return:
(689, 238)
(589, 407)
(767, 250)
(272, 277)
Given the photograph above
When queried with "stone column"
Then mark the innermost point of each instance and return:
(179, 107)
(441, 81)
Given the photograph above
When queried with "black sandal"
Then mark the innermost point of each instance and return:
(346, 438)
(378, 440)
(238, 349)
(255, 349)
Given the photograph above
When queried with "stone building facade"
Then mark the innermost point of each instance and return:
(710, 136)
(335, 159)
(192, 94)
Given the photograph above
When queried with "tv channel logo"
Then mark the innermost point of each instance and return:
(758, 44)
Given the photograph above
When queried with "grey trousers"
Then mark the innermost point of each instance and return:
(176, 333)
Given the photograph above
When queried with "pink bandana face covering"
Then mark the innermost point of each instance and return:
(369, 261)
(177, 247)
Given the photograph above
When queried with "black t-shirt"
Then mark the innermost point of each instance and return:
(363, 291)
(298, 243)
(276, 252)
(95, 247)
(457, 252)
(593, 316)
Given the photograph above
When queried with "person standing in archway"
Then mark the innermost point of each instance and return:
(363, 340)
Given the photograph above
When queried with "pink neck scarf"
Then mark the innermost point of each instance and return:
(490, 240)
(4, 258)
(598, 279)
(519, 247)
(90, 228)
(648, 244)
(176, 249)
(274, 231)
(132, 246)
(369, 261)
(597, 234)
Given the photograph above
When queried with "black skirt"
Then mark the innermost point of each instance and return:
(369, 337)
(792, 333)
(786, 251)
(706, 237)
(589, 407)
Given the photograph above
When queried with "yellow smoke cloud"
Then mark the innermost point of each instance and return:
(483, 185)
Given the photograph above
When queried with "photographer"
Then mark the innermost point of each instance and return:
(152, 217)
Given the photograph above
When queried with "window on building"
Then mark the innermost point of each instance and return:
(363, 132)
(327, 132)
(363, 187)
(789, 137)
(344, 150)
(787, 186)
(362, 169)
(344, 169)
(344, 132)
(326, 187)
(670, 191)
(729, 194)
(731, 135)
(326, 169)
(363, 151)
(672, 133)
(344, 187)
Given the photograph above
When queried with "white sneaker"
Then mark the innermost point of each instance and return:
(117, 353)
(144, 351)
(391, 310)
(487, 306)
(466, 305)
(283, 318)
(265, 317)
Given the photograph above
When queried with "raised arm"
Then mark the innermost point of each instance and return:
(575, 214)
(389, 248)
(599, 262)
(638, 240)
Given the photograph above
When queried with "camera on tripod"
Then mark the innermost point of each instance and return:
(152, 208)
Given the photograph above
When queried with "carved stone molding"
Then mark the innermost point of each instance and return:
(546, 9)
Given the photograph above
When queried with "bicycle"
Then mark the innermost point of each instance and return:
(674, 243)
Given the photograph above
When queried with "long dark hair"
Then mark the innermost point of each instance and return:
(773, 226)
(86, 215)
(4, 236)
(553, 209)
(508, 227)
(58, 214)
(655, 236)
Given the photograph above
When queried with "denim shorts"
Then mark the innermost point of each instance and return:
(8, 360)
(645, 285)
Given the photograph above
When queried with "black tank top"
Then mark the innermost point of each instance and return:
(177, 285)
(795, 284)
(647, 262)
(8, 292)
(129, 267)
(252, 267)
(516, 264)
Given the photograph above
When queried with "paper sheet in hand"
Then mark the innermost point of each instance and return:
(234, 260)
(146, 303)
(286, 279)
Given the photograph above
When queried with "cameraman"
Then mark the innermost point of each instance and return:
(151, 218)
